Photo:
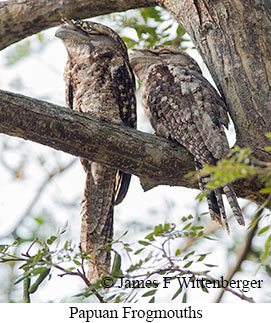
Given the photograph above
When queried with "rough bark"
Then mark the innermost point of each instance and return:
(233, 37)
(154, 159)
(20, 19)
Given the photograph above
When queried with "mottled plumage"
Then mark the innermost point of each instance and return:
(183, 106)
(100, 82)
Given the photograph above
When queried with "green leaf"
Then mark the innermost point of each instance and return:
(3, 247)
(128, 249)
(150, 293)
(25, 275)
(130, 43)
(40, 37)
(39, 280)
(263, 230)
(150, 12)
(39, 220)
(158, 229)
(135, 267)
(202, 257)
(204, 289)
(138, 251)
(266, 247)
(188, 264)
(152, 300)
(200, 234)
(187, 226)
(38, 270)
(116, 271)
(148, 257)
(150, 237)
(51, 240)
(177, 293)
(210, 265)
(189, 254)
(266, 190)
(78, 263)
(144, 243)
(184, 298)
(199, 227)
(177, 252)
(117, 299)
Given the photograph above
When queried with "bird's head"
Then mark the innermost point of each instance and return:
(86, 37)
(142, 59)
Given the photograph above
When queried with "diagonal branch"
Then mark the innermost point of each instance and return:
(242, 254)
(20, 19)
(154, 159)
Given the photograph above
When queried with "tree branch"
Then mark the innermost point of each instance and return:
(20, 19)
(242, 254)
(154, 159)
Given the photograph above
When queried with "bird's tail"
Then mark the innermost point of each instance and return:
(214, 200)
(231, 196)
(97, 246)
(97, 218)
(216, 205)
(216, 208)
(218, 194)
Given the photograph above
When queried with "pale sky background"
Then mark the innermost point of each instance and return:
(41, 76)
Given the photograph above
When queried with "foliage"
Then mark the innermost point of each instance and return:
(150, 26)
(25, 48)
(168, 33)
(240, 164)
(160, 264)
(167, 255)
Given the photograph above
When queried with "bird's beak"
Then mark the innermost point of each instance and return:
(61, 32)
(68, 32)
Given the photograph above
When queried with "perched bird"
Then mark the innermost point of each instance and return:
(99, 82)
(183, 106)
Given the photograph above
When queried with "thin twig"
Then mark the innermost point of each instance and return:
(178, 271)
(242, 255)
(83, 277)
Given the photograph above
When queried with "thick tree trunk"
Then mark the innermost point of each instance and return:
(233, 37)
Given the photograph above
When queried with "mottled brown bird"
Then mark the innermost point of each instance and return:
(100, 82)
(183, 106)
